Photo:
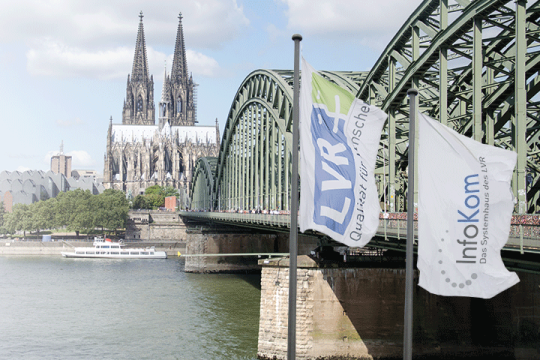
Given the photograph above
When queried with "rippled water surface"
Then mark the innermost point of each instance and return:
(55, 308)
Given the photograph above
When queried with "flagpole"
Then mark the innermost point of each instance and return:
(293, 237)
(409, 259)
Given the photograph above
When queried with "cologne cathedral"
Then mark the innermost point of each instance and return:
(139, 152)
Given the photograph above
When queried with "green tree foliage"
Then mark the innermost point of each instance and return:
(43, 214)
(141, 202)
(19, 219)
(170, 191)
(155, 189)
(74, 210)
(111, 209)
(154, 197)
(2, 213)
(77, 210)
(156, 200)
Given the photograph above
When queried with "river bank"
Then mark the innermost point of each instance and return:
(21, 247)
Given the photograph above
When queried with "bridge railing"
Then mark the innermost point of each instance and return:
(271, 219)
(524, 229)
(521, 234)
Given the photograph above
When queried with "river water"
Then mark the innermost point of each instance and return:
(55, 308)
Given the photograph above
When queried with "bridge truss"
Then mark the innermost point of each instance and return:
(476, 66)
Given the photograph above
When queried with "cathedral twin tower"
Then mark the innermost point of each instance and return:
(176, 106)
(140, 154)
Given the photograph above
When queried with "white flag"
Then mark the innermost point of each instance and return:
(339, 140)
(465, 206)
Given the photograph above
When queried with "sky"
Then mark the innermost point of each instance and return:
(64, 63)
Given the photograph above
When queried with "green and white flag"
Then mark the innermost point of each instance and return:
(339, 140)
(464, 209)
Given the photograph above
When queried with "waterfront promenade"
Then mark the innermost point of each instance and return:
(38, 247)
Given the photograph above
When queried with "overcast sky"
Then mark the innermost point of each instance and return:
(64, 63)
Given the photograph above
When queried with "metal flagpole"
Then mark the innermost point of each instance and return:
(407, 328)
(384, 189)
(293, 237)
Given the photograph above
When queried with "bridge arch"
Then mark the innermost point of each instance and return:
(202, 195)
(476, 66)
(254, 159)
(253, 170)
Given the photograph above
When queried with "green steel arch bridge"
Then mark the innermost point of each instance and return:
(476, 65)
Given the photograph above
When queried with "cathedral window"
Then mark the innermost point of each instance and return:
(179, 106)
(139, 104)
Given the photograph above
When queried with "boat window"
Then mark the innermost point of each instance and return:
(134, 253)
(90, 252)
(124, 253)
(151, 253)
(144, 253)
(114, 252)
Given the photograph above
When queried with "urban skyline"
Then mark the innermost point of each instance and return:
(67, 63)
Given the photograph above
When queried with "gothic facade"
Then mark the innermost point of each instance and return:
(140, 153)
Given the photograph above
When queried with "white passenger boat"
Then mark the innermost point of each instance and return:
(114, 250)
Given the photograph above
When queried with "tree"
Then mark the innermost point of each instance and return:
(2, 213)
(74, 211)
(43, 214)
(110, 209)
(141, 202)
(155, 189)
(155, 197)
(19, 219)
(170, 191)
(155, 200)
(77, 210)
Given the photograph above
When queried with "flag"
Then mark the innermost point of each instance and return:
(464, 209)
(339, 140)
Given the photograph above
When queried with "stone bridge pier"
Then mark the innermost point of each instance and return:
(357, 313)
(211, 250)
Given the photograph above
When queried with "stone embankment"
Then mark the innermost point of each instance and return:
(11, 247)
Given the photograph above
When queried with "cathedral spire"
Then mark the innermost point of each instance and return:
(164, 103)
(180, 85)
(139, 108)
(179, 65)
(164, 88)
(140, 62)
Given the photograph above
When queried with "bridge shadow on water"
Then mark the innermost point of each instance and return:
(252, 277)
